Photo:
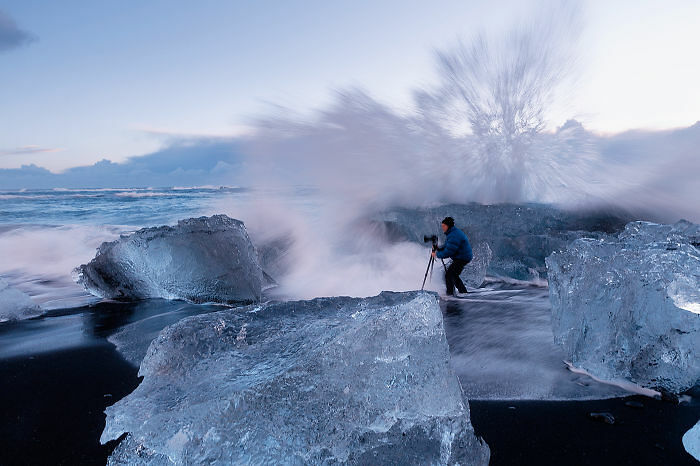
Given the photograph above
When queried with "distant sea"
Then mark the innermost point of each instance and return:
(46, 233)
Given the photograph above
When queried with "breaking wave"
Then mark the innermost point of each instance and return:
(480, 134)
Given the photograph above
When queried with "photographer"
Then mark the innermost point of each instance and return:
(458, 248)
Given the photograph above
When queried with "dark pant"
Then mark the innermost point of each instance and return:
(452, 279)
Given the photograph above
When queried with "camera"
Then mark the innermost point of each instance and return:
(431, 239)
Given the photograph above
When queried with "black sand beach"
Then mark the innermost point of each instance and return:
(52, 408)
(562, 433)
(53, 403)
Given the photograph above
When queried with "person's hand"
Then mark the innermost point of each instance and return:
(433, 254)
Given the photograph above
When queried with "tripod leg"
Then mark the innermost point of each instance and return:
(425, 277)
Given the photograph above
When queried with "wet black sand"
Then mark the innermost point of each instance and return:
(52, 405)
(561, 432)
(51, 412)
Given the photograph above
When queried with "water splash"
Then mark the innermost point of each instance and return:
(498, 91)
(480, 134)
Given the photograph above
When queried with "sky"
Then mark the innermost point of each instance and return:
(84, 81)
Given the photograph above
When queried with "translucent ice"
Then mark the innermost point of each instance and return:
(206, 259)
(691, 441)
(331, 380)
(146, 319)
(627, 306)
(474, 273)
(14, 304)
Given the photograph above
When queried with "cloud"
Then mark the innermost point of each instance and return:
(12, 36)
(173, 136)
(28, 150)
(187, 162)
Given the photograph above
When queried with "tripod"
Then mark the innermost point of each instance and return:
(431, 263)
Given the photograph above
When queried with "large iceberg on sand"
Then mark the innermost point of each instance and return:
(331, 380)
(629, 306)
(520, 236)
(691, 441)
(15, 304)
(475, 272)
(206, 259)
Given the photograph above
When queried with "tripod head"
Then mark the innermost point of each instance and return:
(431, 239)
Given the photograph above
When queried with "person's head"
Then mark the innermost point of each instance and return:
(447, 223)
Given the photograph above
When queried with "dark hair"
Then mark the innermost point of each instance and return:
(449, 221)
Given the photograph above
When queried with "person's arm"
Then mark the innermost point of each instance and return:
(447, 250)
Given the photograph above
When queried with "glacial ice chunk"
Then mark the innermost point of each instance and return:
(625, 306)
(146, 319)
(691, 441)
(274, 256)
(474, 273)
(323, 381)
(206, 259)
(15, 304)
(520, 236)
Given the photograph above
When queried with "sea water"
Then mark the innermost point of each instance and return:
(500, 337)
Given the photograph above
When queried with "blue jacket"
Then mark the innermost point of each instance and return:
(456, 246)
